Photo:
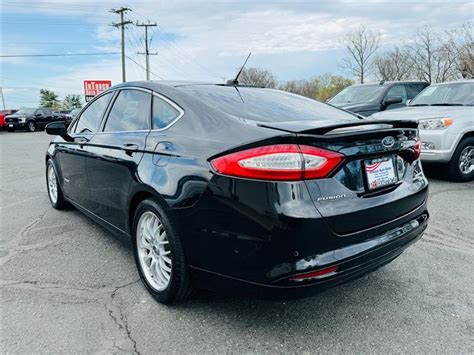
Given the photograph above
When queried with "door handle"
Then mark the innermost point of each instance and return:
(130, 147)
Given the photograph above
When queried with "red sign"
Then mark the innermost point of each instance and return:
(95, 87)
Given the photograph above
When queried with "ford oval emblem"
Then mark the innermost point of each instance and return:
(388, 142)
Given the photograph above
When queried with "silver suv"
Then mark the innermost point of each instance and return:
(445, 113)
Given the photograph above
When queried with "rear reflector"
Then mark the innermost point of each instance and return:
(279, 162)
(315, 274)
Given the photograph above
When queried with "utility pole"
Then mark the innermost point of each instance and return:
(3, 98)
(147, 51)
(122, 25)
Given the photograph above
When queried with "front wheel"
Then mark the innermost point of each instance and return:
(461, 166)
(159, 254)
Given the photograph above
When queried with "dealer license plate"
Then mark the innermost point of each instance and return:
(380, 172)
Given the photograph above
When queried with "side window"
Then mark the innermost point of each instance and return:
(163, 113)
(92, 115)
(397, 90)
(414, 89)
(130, 112)
(39, 112)
(47, 112)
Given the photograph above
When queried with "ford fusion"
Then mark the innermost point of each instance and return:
(240, 189)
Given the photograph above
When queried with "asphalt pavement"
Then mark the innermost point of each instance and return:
(69, 286)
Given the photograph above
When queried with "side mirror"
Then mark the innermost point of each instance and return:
(392, 100)
(56, 129)
(408, 102)
(39, 115)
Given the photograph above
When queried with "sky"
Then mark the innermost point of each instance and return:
(196, 40)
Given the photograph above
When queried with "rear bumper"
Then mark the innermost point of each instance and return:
(370, 256)
(263, 270)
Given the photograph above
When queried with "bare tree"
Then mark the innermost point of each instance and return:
(461, 45)
(394, 65)
(432, 57)
(361, 46)
(258, 77)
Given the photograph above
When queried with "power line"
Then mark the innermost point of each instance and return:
(141, 66)
(54, 55)
(122, 24)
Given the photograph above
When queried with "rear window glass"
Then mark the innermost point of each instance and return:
(265, 105)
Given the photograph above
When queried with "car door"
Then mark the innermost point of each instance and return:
(48, 117)
(40, 118)
(396, 91)
(72, 154)
(115, 152)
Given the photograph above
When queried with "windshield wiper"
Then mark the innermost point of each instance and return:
(418, 105)
(447, 104)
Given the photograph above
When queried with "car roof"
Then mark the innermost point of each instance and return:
(388, 83)
(156, 84)
(460, 81)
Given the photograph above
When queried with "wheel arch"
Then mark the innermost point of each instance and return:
(467, 134)
(139, 194)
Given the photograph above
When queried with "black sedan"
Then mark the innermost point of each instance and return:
(240, 189)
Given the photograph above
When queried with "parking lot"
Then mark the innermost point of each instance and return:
(69, 286)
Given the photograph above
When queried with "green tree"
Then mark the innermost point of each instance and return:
(320, 87)
(49, 99)
(72, 101)
(329, 85)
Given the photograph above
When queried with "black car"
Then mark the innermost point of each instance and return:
(240, 189)
(30, 119)
(367, 99)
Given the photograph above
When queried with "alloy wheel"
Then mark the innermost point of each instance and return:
(154, 251)
(52, 184)
(466, 163)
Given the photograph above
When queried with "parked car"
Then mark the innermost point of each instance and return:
(73, 114)
(63, 115)
(239, 188)
(31, 119)
(445, 113)
(3, 114)
(367, 99)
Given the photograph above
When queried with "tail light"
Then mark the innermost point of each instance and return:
(279, 162)
(417, 148)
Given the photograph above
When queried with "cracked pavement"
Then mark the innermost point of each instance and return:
(69, 286)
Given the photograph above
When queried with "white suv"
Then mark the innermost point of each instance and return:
(445, 113)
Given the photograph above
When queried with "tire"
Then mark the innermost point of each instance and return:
(57, 202)
(463, 156)
(164, 289)
(31, 126)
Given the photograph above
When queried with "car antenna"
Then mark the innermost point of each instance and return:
(235, 81)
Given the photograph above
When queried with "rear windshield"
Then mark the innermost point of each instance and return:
(265, 105)
(358, 94)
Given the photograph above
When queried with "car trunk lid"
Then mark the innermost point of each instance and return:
(346, 198)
